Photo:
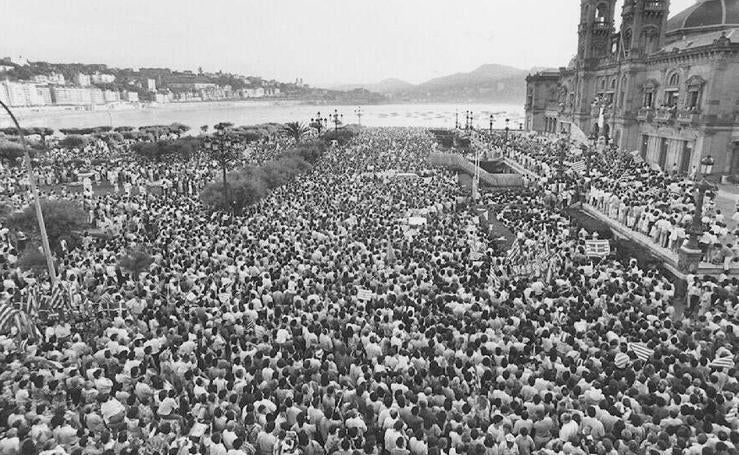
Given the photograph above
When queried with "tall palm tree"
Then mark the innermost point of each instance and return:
(295, 130)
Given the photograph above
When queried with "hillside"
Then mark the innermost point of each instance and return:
(490, 83)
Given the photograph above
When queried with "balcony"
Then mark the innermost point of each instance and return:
(688, 117)
(655, 5)
(665, 114)
(645, 114)
(601, 27)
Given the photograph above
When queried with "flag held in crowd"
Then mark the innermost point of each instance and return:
(641, 350)
(723, 362)
(578, 166)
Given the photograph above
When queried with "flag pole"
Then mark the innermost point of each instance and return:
(37, 201)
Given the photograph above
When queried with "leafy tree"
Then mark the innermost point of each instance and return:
(241, 191)
(179, 129)
(63, 218)
(131, 134)
(32, 259)
(295, 130)
(222, 126)
(122, 129)
(156, 151)
(204, 129)
(135, 261)
(73, 141)
(10, 152)
(342, 135)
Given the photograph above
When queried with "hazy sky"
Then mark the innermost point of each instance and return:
(322, 41)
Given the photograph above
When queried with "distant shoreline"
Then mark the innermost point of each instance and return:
(196, 114)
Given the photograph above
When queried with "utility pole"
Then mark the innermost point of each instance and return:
(358, 111)
(37, 200)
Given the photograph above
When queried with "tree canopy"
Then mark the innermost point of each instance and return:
(156, 151)
(135, 261)
(295, 130)
(61, 217)
(73, 141)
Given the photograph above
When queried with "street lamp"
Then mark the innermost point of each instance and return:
(456, 119)
(318, 122)
(470, 119)
(337, 119)
(562, 151)
(491, 123)
(507, 129)
(358, 112)
(690, 253)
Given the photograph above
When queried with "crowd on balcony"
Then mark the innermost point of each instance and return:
(320, 322)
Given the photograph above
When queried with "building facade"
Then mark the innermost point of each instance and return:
(667, 88)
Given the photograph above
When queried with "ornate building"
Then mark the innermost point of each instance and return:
(667, 88)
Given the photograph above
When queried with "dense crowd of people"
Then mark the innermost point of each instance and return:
(655, 203)
(363, 308)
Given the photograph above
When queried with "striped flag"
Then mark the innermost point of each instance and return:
(621, 360)
(8, 316)
(58, 299)
(723, 362)
(30, 306)
(641, 350)
(29, 327)
(515, 252)
(578, 166)
(249, 325)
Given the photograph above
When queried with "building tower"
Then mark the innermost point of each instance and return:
(595, 30)
(643, 26)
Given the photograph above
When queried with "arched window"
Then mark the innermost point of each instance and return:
(695, 93)
(601, 13)
(613, 84)
(649, 40)
(672, 91)
(603, 84)
(627, 41)
(674, 80)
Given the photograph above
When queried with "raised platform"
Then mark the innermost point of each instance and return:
(461, 164)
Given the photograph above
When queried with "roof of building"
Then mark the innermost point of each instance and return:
(705, 15)
(703, 39)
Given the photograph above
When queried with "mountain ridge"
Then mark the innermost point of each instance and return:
(488, 82)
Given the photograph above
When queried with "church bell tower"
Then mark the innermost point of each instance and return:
(643, 26)
(595, 30)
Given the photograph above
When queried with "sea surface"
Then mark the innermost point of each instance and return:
(254, 112)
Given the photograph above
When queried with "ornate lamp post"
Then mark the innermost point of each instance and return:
(562, 152)
(690, 253)
(491, 123)
(507, 129)
(358, 112)
(456, 119)
(337, 119)
(318, 122)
